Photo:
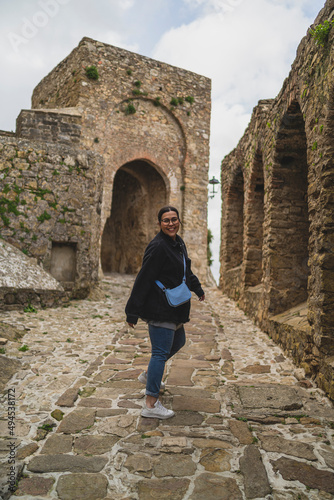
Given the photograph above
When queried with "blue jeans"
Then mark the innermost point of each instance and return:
(165, 343)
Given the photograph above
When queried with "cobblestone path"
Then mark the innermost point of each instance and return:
(247, 424)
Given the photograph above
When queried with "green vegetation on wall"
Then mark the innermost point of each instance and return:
(321, 32)
(209, 251)
(92, 73)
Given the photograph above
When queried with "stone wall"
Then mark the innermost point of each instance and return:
(277, 216)
(151, 123)
(61, 127)
(50, 198)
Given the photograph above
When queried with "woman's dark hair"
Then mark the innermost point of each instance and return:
(168, 208)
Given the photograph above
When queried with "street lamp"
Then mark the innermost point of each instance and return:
(213, 182)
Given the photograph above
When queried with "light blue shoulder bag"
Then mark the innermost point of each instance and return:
(178, 295)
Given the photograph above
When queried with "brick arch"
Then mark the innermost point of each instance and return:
(139, 190)
(154, 104)
(288, 218)
(154, 129)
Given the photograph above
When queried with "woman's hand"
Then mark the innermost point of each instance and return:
(201, 299)
(131, 324)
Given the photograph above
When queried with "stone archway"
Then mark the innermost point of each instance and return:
(231, 249)
(138, 192)
(235, 222)
(254, 216)
(289, 222)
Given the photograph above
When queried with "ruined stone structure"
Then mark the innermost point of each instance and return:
(23, 281)
(49, 202)
(90, 165)
(277, 256)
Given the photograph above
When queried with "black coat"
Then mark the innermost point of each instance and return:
(163, 261)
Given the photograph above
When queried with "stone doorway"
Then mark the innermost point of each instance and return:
(139, 192)
(289, 214)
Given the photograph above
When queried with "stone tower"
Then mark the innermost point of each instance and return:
(150, 122)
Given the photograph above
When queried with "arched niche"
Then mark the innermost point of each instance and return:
(235, 221)
(139, 190)
(289, 222)
(254, 216)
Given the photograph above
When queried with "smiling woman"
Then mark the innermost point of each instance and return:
(165, 265)
(170, 226)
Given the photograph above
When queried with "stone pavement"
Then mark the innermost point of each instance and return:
(247, 425)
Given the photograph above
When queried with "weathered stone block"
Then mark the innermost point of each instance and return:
(241, 431)
(292, 470)
(94, 445)
(163, 488)
(8, 367)
(78, 486)
(215, 460)
(174, 465)
(280, 445)
(254, 472)
(66, 463)
(34, 486)
(77, 420)
(26, 451)
(68, 398)
(212, 487)
(196, 404)
(57, 444)
(139, 463)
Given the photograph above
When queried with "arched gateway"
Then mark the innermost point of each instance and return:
(139, 191)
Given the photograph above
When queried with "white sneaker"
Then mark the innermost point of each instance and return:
(143, 379)
(158, 411)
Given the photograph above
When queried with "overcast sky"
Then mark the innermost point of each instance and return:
(245, 46)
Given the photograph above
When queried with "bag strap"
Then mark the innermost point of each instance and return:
(184, 267)
(160, 285)
(163, 288)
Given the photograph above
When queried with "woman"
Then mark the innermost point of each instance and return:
(163, 261)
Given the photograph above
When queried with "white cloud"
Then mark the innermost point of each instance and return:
(227, 123)
(30, 48)
(254, 42)
(209, 6)
(127, 4)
